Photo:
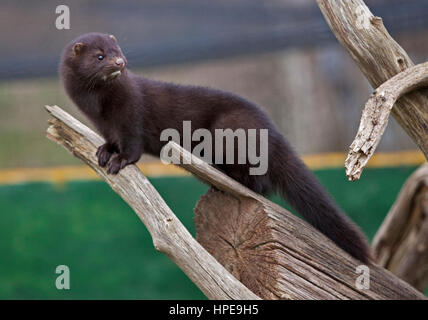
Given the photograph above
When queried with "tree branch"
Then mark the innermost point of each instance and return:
(376, 114)
(401, 243)
(380, 58)
(168, 233)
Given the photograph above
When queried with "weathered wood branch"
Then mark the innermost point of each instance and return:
(380, 58)
(401, 243)
(311, 266)
(169, 235)
(272, 251)
(376, 115)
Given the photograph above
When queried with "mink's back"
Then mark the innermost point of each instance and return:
(166, 105)
(205, 107)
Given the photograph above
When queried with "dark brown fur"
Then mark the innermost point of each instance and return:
(131, 111)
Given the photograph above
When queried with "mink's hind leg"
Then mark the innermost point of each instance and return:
(105, 152)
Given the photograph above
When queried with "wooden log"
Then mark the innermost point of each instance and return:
(380, 58)
(168, 233)
(273, 252)
(401, 243)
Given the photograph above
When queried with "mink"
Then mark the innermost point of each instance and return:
(131, 111)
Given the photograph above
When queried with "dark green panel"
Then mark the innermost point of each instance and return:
(86, 226)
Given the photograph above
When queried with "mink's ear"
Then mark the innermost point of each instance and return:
(77, 48)
(113, 37)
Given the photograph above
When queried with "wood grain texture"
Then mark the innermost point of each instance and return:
(376, 115)
(168, 233)
(401, 243)
(380, 58)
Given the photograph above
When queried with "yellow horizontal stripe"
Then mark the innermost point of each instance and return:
(381, 159)
(317, 161)
(68, 173)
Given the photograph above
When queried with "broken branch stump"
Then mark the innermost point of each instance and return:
(376, 115)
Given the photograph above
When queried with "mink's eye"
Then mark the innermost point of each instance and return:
(100, 57)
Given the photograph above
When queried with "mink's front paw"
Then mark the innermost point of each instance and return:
(104, 154)
(116, 163)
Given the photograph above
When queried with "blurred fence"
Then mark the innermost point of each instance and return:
(155, 33)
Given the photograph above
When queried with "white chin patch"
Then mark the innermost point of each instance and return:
(114, 74)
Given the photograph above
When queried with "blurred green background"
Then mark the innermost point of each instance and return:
(89, 228)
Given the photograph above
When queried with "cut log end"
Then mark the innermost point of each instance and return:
(234, 230)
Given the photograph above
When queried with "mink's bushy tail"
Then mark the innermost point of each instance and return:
(296, 184)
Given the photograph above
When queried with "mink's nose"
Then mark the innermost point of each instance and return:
(120, 62)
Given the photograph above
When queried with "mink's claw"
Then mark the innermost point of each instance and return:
(116, 164)
(104, 154)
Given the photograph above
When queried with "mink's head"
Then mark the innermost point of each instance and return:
(95, 59)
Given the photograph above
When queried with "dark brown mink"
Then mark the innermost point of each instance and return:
(131, 111)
